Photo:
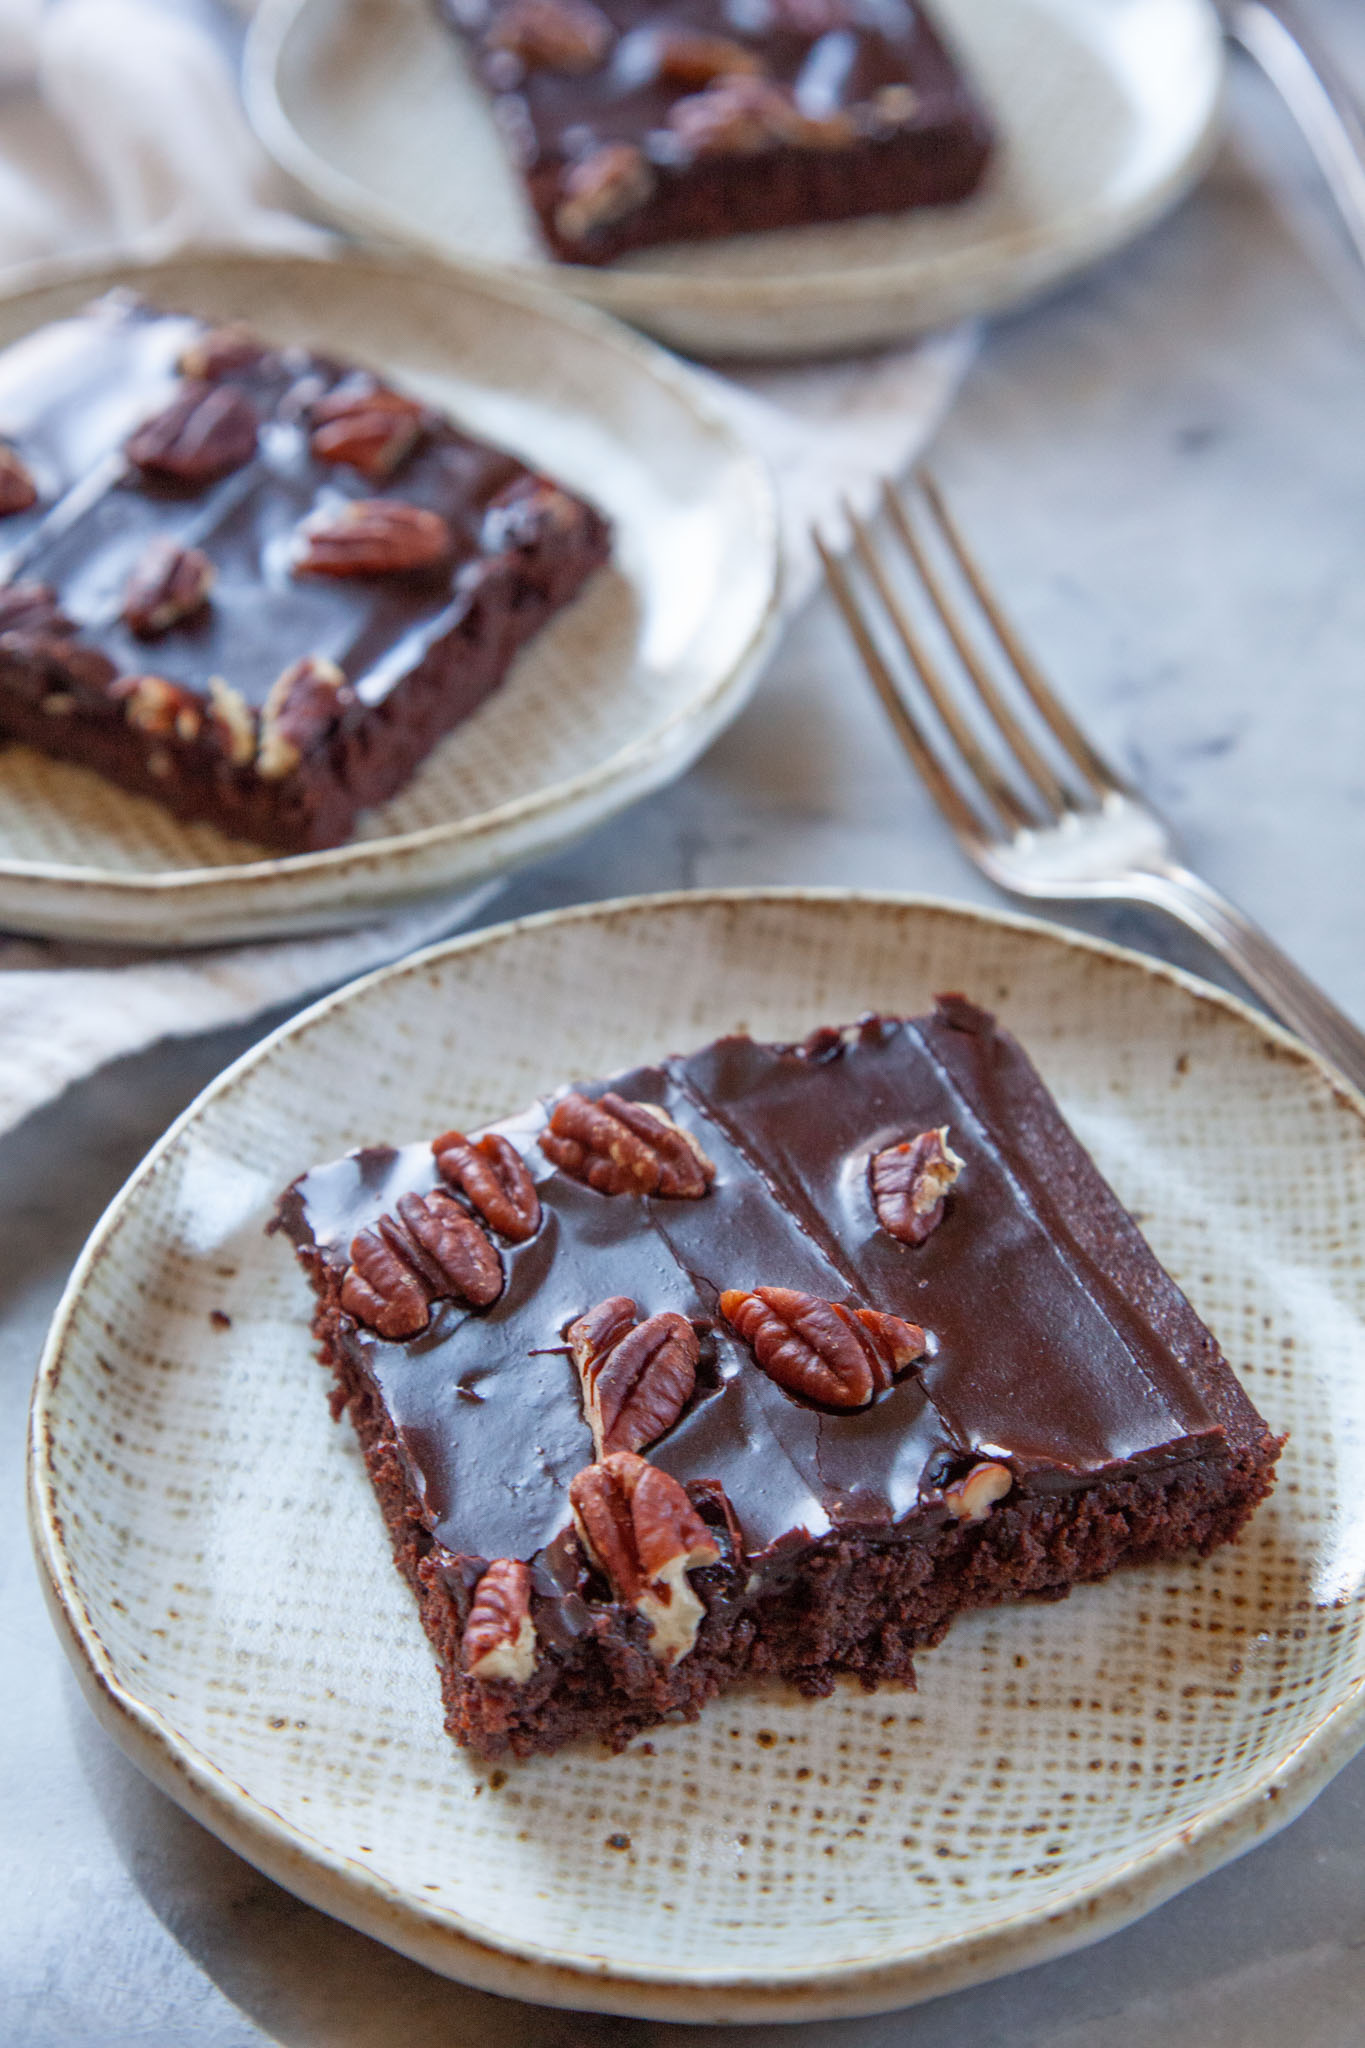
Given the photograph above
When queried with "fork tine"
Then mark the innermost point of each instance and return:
(1085, 758)
(979, 763)
(1020, 745)
(931, 770)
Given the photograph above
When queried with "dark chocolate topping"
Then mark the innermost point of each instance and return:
(72, 394)
(642, 91)
(832, 57)
(1046, 1352)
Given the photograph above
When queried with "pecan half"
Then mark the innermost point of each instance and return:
(524, 513)
(220, 352)
(734, 117)
(500, 1636)
(368, 427)
(971, 1499)
(372, 537)
(49, 669)
(602, 188)
(552, 35)
(233, 722)
(43, 664)
(303, 706)
(154, 705)
(894, 106)
(431, 1248)
(625, 1148)
(382, 1290)
(909, 1182)
(17, 488)
(206, 431)
(897, 1342)
(644, 1535)
(170, 583)
(491, 1175)
(688, 58)
(825, 131)
(32, 607)
(457, 1255)
(637, 1377)
(820, 1350)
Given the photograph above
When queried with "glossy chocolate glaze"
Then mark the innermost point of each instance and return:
(69, 396)
(1044, 1353)
(831, 57)
(626, 100)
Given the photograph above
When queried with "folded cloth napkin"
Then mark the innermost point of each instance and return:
(121, 131)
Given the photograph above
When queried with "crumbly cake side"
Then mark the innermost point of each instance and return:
(864, 1606)
(618, 1485)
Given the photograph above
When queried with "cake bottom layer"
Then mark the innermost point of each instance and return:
(852, 1604)
(367, 759)
(725, 195)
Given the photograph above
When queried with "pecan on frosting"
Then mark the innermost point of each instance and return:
(637, 1377)
(621, 1147)
(820, 1350)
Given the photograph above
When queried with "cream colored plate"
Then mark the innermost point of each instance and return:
(618, 694)
(223, 1583)
(1106, 110)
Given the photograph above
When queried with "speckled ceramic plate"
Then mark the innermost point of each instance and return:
(616, 696)
(1106, 110)
(221, 1577)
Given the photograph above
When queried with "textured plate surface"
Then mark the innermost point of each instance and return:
(224, 1584)
(617, 695)
(1106, 110)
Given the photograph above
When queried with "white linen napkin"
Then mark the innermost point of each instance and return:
(121, 131)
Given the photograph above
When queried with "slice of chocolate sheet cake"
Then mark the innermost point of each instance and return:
(255, 584)
(767, 1360)
(635, 123)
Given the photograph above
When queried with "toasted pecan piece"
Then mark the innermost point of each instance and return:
(205, 432)
(621, 1147)
(909, 1182)
(372, 537)
(304, 705)
(491, 1175)
(637, 1377)
(639, 1528)
(168, 584)
(971, 1498)
(367, 427)
(819, 1350)
(430, 1249)
(500, 1637)
(17, 488)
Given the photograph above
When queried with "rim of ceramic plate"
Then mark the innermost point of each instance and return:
(1091, 231)
(450, 1942)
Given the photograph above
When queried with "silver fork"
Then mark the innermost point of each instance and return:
(1316, 92)
(1029, 797)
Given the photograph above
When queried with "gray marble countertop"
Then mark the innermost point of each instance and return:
(1163, 468)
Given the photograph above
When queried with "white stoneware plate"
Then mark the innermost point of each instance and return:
(618, 694)
(1106, 109)
(222, 1581)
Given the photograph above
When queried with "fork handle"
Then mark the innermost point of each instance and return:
(1316, 93)
(1286, 992)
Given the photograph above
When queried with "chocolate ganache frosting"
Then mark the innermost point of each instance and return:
(72, 394)
(253, 583)
(634, 122)
(1055, 1345)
